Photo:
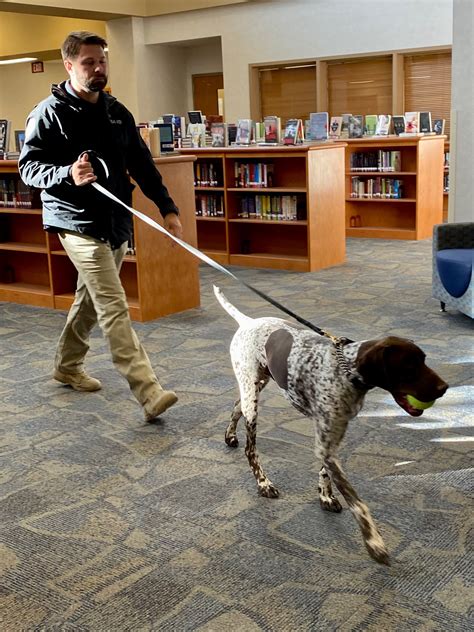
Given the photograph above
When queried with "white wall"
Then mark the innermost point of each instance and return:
(461, 179)
(282, 30)
(21, 90)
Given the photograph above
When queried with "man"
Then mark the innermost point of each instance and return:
(62, 134)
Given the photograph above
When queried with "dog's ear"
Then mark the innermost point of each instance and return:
(371, 362)
(277, 350)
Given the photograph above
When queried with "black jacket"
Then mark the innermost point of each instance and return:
(58, 130)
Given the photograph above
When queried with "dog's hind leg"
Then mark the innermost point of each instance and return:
(372, 538)
(231, 431)
(326, 498)
(249, 392)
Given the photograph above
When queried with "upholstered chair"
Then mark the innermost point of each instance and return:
(453, 257)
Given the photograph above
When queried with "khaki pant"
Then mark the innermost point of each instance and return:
(101, 298)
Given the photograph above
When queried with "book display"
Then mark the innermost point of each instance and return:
(35, 270)
(406, 200)
(275, 207)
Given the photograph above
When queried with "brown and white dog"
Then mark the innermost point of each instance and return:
(327, 387)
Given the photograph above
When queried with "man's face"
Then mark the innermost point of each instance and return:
(88, 71)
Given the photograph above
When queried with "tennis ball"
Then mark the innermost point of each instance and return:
(417, 404)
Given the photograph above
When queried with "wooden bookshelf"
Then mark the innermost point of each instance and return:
(315, 240)
(160, 279)
(421, 207)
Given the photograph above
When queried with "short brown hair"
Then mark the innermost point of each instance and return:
(73, 42)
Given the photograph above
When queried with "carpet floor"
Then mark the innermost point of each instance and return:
(109, 523)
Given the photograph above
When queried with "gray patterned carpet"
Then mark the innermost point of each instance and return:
(111, 524)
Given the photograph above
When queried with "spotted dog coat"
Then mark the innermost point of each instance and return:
(306, 368)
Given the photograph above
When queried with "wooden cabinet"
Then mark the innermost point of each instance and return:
(418, 166)
(160, 279)
(294, 222)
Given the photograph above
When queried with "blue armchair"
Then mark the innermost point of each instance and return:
(453, 257)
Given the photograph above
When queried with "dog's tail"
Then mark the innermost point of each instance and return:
(229, 308)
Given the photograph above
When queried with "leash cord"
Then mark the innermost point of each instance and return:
(217, 266)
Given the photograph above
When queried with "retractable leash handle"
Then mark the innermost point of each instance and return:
(98, 162)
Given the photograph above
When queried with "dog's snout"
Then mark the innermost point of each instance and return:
(441, 389)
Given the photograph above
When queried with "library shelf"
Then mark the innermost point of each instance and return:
(420, 160)
(160, 279)
(307, 184)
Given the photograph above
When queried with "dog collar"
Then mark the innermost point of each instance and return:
(355, 379)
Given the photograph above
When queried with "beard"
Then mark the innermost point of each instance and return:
(96, 84)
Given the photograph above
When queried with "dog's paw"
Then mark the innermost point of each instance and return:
(268, 490)
(231, 441)
(329, 503)
(379, 553)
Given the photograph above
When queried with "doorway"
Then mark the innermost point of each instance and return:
(205, 92)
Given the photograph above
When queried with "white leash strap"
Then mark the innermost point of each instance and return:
(151, 222)
(200, 255)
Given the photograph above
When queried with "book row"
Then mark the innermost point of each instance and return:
(206, 175)
(380, 160)
(376, 188)
(208, 205)
(253, 174)
(15, 194)
(271, 207)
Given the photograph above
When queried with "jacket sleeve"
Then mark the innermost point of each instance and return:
(143, 170)
(38, 161)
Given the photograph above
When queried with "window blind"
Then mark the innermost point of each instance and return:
(360, 86)
(288, 91)
(428, 84)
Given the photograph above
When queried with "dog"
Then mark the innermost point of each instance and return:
(328, 383)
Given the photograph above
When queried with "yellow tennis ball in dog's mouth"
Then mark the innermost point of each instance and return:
(417, 404)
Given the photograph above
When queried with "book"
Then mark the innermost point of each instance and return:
(244, 132)
(345, 125)
(197, 132)
(272, 126)
(335, 127)
(398, 124)
(5, 126)
(439, 125)
(231, 133)
(218, 134)
(412, 122)
(318, 125)
(356, 126)
(425, 122)
(383, 125)
(370, 124)
(293, 132)
(259, 132)
(195, 116)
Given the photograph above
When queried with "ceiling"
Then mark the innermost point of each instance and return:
(110, 9)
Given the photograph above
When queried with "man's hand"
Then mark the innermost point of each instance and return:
(173, 225)
(82, 172)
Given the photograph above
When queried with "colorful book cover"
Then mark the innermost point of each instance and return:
(370, 124)
(356, 126)
(399, 124)
(335, 127)
(383, 125)
(412, 122)
(318, 125)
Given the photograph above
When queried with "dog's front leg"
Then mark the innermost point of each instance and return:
(372, 538)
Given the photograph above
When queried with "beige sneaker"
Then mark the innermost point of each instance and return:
(78, 381)
(158, 406)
